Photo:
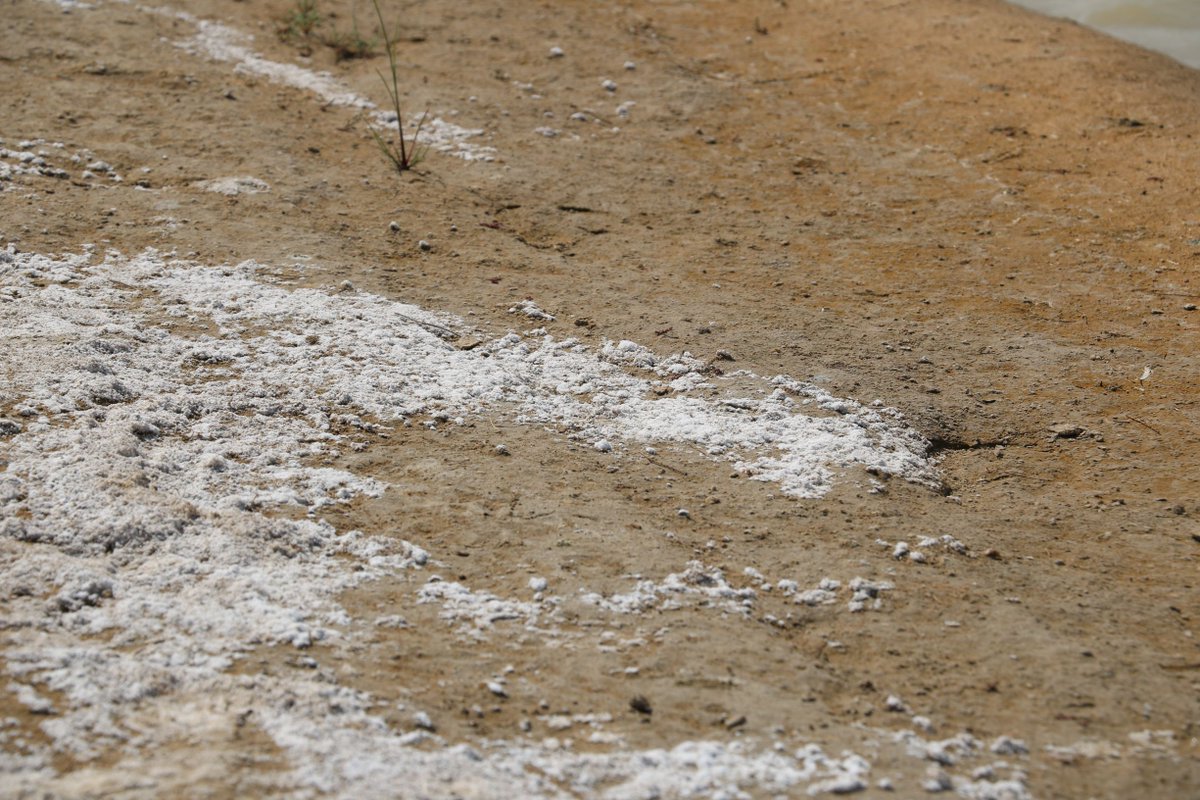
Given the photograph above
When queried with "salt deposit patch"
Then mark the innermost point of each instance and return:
(40, 158)
(223, 43)
(332, 358)
(234, 185)
(698, 583)
(158, 417)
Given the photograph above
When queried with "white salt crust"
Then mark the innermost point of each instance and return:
(143, 468)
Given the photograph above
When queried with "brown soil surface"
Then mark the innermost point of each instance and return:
(983, 217)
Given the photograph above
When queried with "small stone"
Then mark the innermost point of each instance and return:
(145, 430)
(603, 445)
(538, 584)
(556, 52)
(1005, 746)
(394, 226)
(1189, 307)
(502, 450)
(422, 721)
(496, 688)
(1066, 431)
(630, 66)
(213, 461)
(641, 705)
(938, 782)
(895, 704)
(842, 784)
(424, 246)
(609, 85)
(736, 722)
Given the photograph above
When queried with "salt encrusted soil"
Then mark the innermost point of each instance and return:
(742, 399)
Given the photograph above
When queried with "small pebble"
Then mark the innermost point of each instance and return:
(502, 450)
(939, 782)
(556, 52)
(1066, 431)
(424, 246)
(1005, 746)
(609, 85)
(394, 226)
(604, 446)
(538, 584)
(630, 65)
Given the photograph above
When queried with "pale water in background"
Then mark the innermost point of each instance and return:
(1168, 26)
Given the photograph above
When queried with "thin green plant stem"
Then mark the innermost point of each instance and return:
(401, 158)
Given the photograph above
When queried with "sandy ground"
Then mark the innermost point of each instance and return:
(983, 218)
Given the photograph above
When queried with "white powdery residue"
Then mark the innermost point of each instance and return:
(71, 5)
(27, 696)
(802, 451)
(957, 752)
(477, 612)
(131, 496)
(387, 359)
(697, 769)
(946, 752)
(816, 597)
(985, 789)
(438, 134)
(632, 354)
(698, 581)
(867, 594)
(234, 185)
(531, 310)
(143, 461)
(222, 43)
(362, 758)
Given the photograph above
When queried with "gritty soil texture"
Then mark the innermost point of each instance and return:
(985, 218)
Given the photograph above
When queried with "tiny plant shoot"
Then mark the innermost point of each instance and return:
(407, 154)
